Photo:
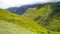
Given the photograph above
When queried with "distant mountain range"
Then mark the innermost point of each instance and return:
(22, 9)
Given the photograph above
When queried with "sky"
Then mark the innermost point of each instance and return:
(16, 3)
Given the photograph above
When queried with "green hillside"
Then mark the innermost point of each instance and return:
(48, 15)
(9, 28)
(16, 24)
(9, 22)
(39, 15)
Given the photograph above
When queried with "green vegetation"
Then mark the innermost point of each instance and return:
(9, 28)
(39, 15)
(20, 21)
(48, 16)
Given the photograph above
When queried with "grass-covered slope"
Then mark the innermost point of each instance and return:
(6, 17)
(9, 28)
(39, 15)
(15, 24)
(47, 16)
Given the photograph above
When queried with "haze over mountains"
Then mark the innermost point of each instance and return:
(16, 3)
(31, 19)
(22, 9)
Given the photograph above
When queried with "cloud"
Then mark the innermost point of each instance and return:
(2, 4)
(11, 3)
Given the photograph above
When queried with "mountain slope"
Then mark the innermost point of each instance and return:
(12, 9)
(21, 10)
(21, 22)
(47, 16)
(9, 28)
(40, 14)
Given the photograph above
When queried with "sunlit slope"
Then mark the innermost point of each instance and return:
(39, 15)
(21, 22)
(9, 28)
(47, 16)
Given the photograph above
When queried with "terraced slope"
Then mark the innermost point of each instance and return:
(21, 22)
(47, 16)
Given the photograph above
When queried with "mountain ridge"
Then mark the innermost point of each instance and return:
(46, 15)
(21, 10)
